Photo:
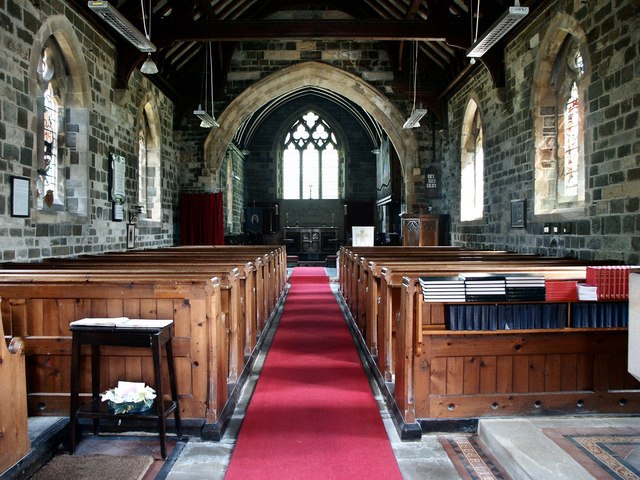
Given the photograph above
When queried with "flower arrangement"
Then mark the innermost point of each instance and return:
(129, 397)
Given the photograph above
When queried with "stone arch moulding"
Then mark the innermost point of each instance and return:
(559, 28)
(59, 27)
(77, 102)
(322, 76)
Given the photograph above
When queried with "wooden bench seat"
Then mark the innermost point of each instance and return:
(222, 357)
(431, 374)
(443, 375)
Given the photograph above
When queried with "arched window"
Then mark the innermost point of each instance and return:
(149, 198)
(142, 167)
(51, 180)
(310, 160)
(472, 165)
(560, 101)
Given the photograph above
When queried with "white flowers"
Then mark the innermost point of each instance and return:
(128, 396)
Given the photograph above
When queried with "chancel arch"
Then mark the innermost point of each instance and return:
(314, 74)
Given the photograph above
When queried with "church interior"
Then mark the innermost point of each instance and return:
(175, 172)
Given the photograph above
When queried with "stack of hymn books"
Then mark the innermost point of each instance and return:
(525, 287)
(442, 289)
(561, 290)
(611, 281)
(484, 287)
(480, 287)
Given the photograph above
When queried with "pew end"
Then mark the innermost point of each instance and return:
(14, 435)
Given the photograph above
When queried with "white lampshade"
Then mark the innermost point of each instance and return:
(149, 67)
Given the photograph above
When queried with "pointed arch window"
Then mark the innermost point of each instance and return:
(571, 143)
(51, 193)
(472, 165)
(149, 198)
(310, 160)
(560, 103)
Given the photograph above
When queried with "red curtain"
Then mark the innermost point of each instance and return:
(201, 219)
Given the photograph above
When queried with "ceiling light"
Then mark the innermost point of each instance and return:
(121, 25)
(416, 114)
(149, 67)
(414, 120)
(207, 120)
(499, 29)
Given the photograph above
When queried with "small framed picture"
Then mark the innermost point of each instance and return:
(19, 197)
(131, 235)
(518, 213)
(117, 212)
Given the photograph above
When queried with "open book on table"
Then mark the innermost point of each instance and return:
(120, 322)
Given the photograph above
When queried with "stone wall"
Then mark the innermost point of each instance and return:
(609, 225)
(105, 124)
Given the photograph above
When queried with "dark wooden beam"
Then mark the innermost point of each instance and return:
(453, 31)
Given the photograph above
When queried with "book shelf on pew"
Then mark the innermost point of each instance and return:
(503, 302)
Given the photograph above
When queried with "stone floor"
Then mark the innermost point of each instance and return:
(518, 444)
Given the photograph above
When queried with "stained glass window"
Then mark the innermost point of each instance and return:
(50, 150)
(571, 142)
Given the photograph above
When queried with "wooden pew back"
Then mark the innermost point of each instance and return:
(14, 441)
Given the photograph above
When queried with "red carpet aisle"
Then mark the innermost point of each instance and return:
(312, 415)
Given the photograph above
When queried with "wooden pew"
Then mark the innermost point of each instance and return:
(41, 305)
(369, 298)
(385, 284)
(351, 258)
(246, 302)
(443, 375)
(195, 264)
(14, 435)
(261, 281)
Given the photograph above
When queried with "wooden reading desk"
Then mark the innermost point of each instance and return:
(119, 332)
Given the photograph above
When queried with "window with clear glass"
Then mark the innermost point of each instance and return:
(310, 160)
(142, 168)
(472, 165)
(149, 165)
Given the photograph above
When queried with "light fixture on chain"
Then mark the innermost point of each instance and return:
(416, 114)
(149, 67)
(499, 29)
(124, 27)
(207, 120)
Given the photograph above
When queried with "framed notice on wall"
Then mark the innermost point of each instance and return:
(19, 197)
(117, 167)
(518, 213)
(431, 182)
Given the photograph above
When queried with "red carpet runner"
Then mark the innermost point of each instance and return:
(312, 415)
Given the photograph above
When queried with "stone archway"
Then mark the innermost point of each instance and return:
(326, 77)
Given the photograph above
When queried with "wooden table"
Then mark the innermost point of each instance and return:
(122, 336)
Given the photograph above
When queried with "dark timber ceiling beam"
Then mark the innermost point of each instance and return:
(166, 33)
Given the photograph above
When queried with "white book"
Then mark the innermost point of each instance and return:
(120, 322)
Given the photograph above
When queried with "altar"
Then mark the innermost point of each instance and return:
(311, 243)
